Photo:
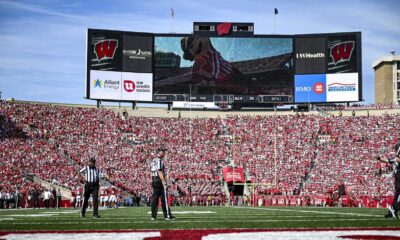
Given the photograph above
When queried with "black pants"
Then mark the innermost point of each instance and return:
(160, 192)
(18, 202)
(46, 203)
(396, 201)
(91, 188)
(58, 202)
(36, 203)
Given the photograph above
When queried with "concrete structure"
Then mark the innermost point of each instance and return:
(387, 79)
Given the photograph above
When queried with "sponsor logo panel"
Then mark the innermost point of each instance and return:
(137, 54)
(342, 87)
(194, 105)
(137, 86)
(310, 88)
(310, 55)
(105, 84)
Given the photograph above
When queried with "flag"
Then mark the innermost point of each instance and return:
(172, 13)
(275, 11)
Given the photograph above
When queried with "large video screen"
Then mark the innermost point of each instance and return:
(199, 65)
(244, 69)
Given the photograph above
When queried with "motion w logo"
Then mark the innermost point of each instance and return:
(342, 52)
(105, 49)
(223, 28)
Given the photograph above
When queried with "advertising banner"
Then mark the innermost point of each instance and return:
(105, 85)
(137, 86)
(310, 55)
(233, 174)
(121, 86)
(324, 138)
(137, 54)
(194, 105)
(342, 87)
(310, 88)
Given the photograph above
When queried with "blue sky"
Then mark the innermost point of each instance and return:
(43, 41)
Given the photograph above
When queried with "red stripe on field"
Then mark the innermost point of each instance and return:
(198, 234)
(375, 237)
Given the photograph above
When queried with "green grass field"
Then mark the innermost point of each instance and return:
(197, 218)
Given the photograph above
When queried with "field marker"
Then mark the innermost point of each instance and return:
(310, 211)
(190, 212)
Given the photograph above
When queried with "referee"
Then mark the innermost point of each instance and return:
(159, 184)
(92, 179)
(395, 161)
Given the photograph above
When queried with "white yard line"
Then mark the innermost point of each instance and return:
(310, 211)
(7, 219)
(196, 221)
(190, 212)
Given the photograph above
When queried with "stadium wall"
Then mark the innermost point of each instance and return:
(163, 112)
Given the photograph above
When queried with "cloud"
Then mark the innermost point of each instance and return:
(19, 6)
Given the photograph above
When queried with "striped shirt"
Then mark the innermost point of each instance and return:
(211, 66)
(91, 174)
(157, 165)
(398, 151)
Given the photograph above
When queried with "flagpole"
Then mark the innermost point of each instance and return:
(172, 17)
(172, 21)
(275, 20)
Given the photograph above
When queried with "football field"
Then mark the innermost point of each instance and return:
(197, 218)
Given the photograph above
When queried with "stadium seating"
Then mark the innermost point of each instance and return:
(54, 142)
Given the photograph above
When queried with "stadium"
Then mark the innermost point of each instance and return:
(247, 136)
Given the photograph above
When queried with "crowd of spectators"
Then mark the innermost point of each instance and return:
(283, 153)
(362, 107)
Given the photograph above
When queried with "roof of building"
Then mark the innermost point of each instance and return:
(390, 58)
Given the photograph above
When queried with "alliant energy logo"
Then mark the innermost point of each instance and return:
(107, 84)
(105, 49)
(129, 85)
(340, 87)
(310, 55)
(137, 54)
(98, 83)
(342, 52)
(319, 88)
(111, 84)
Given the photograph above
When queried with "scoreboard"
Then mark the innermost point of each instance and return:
(223, 62)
